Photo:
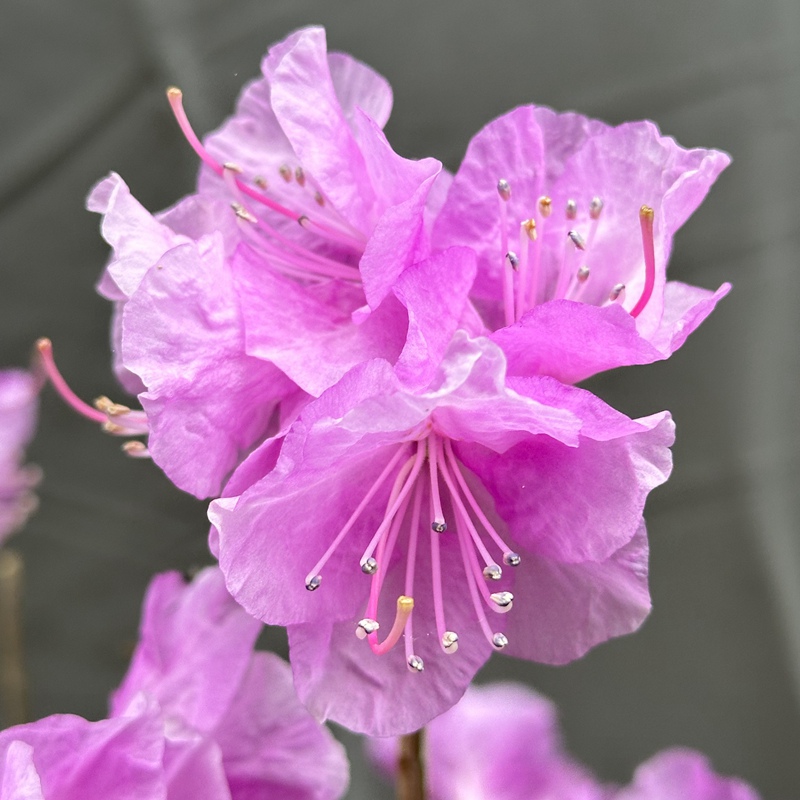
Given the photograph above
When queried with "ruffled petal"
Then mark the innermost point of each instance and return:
(207, 402)
(194, 649)
(272, 746)
(562, 610)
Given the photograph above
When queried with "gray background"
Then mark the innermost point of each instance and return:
(717, 666)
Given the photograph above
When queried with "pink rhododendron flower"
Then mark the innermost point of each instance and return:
(502, 742)
(302, 254)
(18, 393)
(199, 716)
(572, 221)
(458, 501)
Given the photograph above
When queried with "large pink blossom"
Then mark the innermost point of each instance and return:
(459, 501)
(502, 742)
(572, 221)
(302, 254)
(18, 403)
(199, 716)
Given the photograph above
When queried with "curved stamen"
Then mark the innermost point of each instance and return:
(646, 215)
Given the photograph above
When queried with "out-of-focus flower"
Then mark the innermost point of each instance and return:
(18, 402)
(199, 716)
(64, 757)
(502, 742)
(302, 254)
(459, 501)
(572, 221)
(231, 717)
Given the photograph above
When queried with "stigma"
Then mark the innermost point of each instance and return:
(534, 273)
(430, 501)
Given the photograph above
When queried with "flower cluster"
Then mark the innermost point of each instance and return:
(369, 365)
(199, 716)
(503, 741)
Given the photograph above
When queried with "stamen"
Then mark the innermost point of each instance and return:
(504, 193)
(499, 641)
(595, 209)
(512, 259)
(411, 559)
(545, 205)
(438, 524)
(646, 215)
(450, 642)
(473, 587)
(405, 605)
(415, 663)
(319, 199)
(617, 294)
(369, 566)
(514, 559)
(504, 600)
(571, 210)
(436, 581)
(135, 449)
(504, 189)
(285, 172)
(462, 512)
(573, 244)
(578, 282)
(261, 182)
(300, 176)
(527, 234)
(399, 500)
(492, 572)
(313, 576)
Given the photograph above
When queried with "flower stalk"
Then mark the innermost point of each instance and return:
(410, 773)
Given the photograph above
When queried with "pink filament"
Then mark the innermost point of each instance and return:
(45, 348)
(413, 538)
(359, 510)
(405, 606)
(458, 503)
(451, 456)
(436, 580)
(392, 510)
(473, 590)
(436, 502)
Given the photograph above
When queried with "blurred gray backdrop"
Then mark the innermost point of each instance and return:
(717, 666)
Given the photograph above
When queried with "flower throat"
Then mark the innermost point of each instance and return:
(404, 515)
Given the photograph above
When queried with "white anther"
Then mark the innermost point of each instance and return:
(492, 572)
(450, 642)
(504, 189)
(511, 559)
(595, 207)
(365, 627)
(577, 240)
(312, 584)
(499, 641)
(415, 664)
(369, 566)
